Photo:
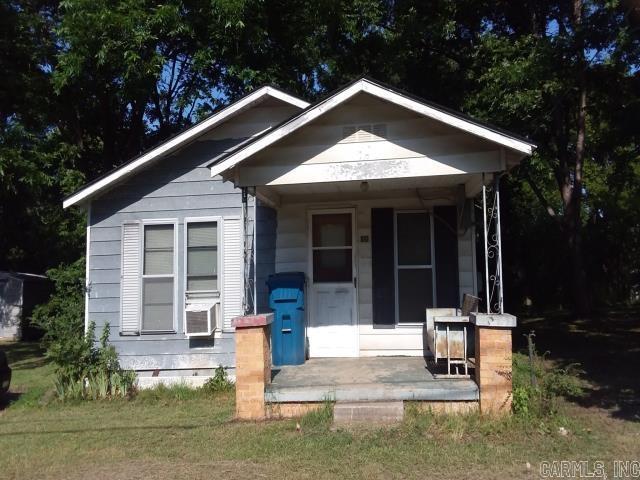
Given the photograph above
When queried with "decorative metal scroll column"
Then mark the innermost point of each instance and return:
(248, 252)
(492, 246)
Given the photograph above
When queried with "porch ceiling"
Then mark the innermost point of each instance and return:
(446, 186)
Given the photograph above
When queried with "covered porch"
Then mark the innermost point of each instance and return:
(369, 384)
(375, 198)
(374, 258)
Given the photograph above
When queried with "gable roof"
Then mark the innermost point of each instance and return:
(383, 92)
(99, 184)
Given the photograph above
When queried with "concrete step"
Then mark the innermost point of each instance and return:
(368, 412)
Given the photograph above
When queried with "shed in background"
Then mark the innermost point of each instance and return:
(19, 294)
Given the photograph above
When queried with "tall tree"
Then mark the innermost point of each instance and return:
(36, 166)
(138, 71)
(545, 68)
(87, 84)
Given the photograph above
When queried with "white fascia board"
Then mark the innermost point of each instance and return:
(380, 92)
(447, 118)
(179, 140)
(285, 97)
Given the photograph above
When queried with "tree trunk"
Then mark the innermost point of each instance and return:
(572, 192)
(572, 229)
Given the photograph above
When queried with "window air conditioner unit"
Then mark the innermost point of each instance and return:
(201, 319)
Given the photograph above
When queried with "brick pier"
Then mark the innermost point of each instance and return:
(253, 364)
(494, 361)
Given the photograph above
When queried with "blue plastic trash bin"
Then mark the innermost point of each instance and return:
(286, 299)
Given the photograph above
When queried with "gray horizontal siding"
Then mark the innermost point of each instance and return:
(183, 361)
(110, 220)
(105, 234)
(187, 201)
(266, 225)
(174, 189)
(102, 318)
(104, 262)
(177, 187)
(162, 175)
(104, 290)
(106, 247)
(103, 305)
(105, 275)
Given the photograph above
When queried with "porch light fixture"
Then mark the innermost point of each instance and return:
(364, 186)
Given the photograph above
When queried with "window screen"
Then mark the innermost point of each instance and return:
(158, 304)
(414, 271)
(158, 278)
(158, 250)
(202, 256)
(415, 294)
(414, 238)
(331, 230)
(332, 266)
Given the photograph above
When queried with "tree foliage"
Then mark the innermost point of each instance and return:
(87, 84)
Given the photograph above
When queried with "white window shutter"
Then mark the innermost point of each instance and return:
(130, 279)
(232, 275)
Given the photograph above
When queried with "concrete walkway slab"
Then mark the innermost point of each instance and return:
(345, 413)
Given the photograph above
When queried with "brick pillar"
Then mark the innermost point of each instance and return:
(494, 361)
(253, 364)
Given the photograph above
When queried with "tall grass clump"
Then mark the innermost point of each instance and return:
(538, 384)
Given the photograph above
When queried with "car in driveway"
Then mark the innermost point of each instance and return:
(5, 373)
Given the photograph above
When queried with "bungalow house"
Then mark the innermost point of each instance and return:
(371, 193)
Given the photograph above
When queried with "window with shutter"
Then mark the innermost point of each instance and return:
(158, 278)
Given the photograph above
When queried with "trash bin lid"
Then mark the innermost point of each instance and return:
(286, 280)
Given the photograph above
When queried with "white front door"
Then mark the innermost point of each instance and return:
(333, 318)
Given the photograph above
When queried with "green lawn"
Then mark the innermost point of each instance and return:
(184, 434)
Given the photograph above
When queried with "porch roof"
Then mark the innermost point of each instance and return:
(517, 144)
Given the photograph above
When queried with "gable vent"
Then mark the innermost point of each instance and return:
(380, 130)
(348, 131)
(364, 133)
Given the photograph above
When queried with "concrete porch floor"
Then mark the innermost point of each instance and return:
(367, 379)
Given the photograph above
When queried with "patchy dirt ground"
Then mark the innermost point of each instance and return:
(606, 347)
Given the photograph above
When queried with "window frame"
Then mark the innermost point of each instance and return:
(214, 294)
(351, 248)
(173, 276)
(397, 267)
(219, 239)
